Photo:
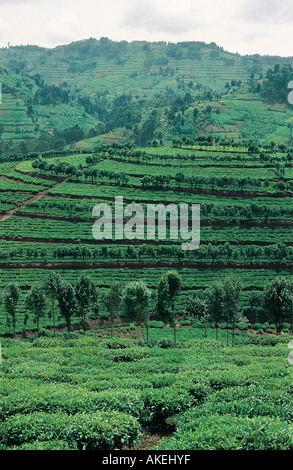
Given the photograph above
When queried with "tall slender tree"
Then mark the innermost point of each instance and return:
(51, 287)
(136, 303)
(215, 298)
(67, 302)
(278, 301)
(35, 301)
(111, 300)
(85, 293)
(10, 299)
(232, 289)
(96, 308)
(196, 310)
(168, 289)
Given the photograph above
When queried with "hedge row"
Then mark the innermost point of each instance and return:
(228, 432)
(102, 430)
(150, 406)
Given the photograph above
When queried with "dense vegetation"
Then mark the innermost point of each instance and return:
(141, 91)
(91, 393)
(115, 343)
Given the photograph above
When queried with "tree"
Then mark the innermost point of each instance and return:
(67, 302)
(10, 299)
(111, 301)
(51, 287)
(86, 293)
(96, 310)
(168, 289)
(196, 310)
(275, 83)
(136, 303)
(223, 303)
(215, 298)
(35, 301)
(232, 289)
(278, 301)
(179, 178)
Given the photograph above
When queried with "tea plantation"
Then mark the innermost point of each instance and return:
(87, 392)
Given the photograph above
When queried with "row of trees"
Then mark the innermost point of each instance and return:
(137, 302)
(246, 211)
(224, 251)
(165, 181)
(158, 181)
(79, 172)
(128, 150)
(210, 252)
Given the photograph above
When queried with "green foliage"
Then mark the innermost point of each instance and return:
(278, 300)
(163, 403)
(156, 324)
(10, 300)
(92, 394)
(36, 302)
(136, 302)
(85, 432)
(216, 432)
(275, 84)
(67, 302)
(117, 343)
(168, 288)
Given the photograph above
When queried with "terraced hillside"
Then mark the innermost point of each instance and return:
(246, 219)
(134, 91)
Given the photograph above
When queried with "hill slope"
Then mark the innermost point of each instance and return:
(136, 90)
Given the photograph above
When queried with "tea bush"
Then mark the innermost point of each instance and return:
(156, 324)
(160, 388)
(216, 432)
(163, 403)
(81, 431)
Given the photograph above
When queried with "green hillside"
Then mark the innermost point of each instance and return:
(136, 91)
(123, 339)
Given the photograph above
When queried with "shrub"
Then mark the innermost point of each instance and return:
(163, 403)
(257, 326)
(268, 340)
(122, 400)
(117, 343)
(228, 432)
(247, 401)
(221, 379)
(156, 324)
(163, 380)
(85, 431)
(165, 343)
(45, 445)
(62, 399)
(241, 362)
(129, 355)
(47, 398)
(242, 327)
(198, 390)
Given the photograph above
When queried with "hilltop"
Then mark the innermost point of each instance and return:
(139, 91)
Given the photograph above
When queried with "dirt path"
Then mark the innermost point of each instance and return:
(83, 265)
(32, 199)
(39, 175)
